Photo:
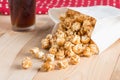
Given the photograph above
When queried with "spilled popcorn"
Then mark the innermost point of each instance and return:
(71, 41)
(26, 63)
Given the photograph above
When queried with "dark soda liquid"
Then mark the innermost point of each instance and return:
(22, 13)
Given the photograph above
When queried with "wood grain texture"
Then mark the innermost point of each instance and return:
(11, 43)
(14, 46)
(16, 65)
(98, 67)
(116, 73)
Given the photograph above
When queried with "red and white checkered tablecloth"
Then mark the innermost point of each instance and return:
(42, 6)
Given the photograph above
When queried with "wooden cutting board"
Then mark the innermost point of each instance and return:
(14, 47)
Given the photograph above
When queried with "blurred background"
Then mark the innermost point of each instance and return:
(42, 6)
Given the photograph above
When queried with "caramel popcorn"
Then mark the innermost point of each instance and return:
(60, 34)
(49, 36)
(50, 57)
(47, 66)
(76, 39)
(43, 58)
(69, 38)
(78, 48)
(87, 52)
(94, 48)
(62, 17)
(60, 41)
(80, 18)
(82, 32)
(68, 45)
(69, 32)
(69, 53)
(26, 63)
(68, 22)
(71, 41)
(62, 64)
(85, 39)
(93, 21)
(34, 50)
(71, 13)
(53, 41)
(76, 26)
(74, 59)
(40, 54)
(61, 28)
(86, 23)
(37, 52)
(45, 43)
(53, 50)
(89, 32)
(72, 38)
(60, 55)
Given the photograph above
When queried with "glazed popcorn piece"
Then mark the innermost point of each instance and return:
(70, 38)
(74, 59)
(89, 32)
(60, 34)
(53, 50)
(60, 54)
(68, 22)
(37, 52)
(60, 41)
(47, 66)
(87, 52)
(49, 36)
(26, 63)
(86, 24)
(76, 39)
(69, 53)
(40, 54)
(62, 64)
(78, 48)
(34, 50)
(50, 57)
(69, 32)
(45, 43)
(80, 17)
(68, 45)
(62, 17)
(85, 39)
(94, 48)
(76, 26)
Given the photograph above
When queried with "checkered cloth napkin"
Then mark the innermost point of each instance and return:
(42, 6)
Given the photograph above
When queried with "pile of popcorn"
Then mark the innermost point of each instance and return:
(71, 41)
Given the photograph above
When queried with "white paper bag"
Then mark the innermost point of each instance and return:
(107, 28)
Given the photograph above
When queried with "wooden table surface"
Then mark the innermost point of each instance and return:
(14, 47)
